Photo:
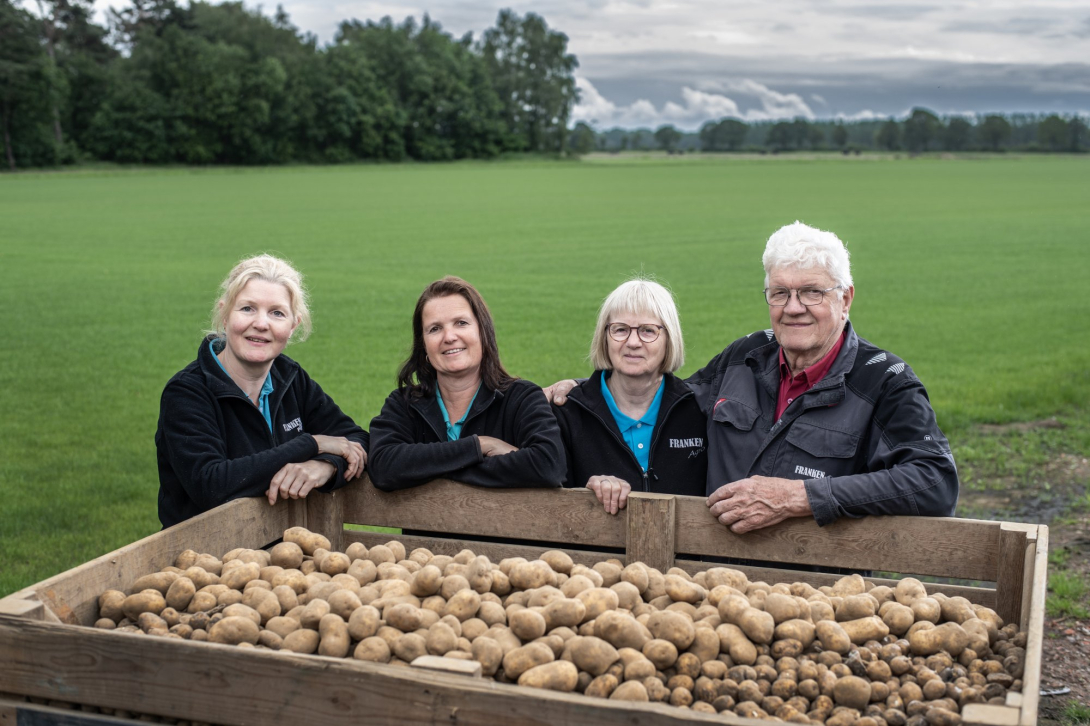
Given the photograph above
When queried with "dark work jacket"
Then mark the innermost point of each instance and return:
(677, 462)
(864, 439)
(213, 445)
(410, 447)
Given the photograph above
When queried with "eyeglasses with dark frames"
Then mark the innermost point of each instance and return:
(647, 332)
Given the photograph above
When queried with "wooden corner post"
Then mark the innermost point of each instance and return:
(325, 515)
(651, 524)
(1014, 539)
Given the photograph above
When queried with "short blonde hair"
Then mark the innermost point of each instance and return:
(639, 296)
(269, 269)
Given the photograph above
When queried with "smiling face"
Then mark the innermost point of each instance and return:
(634, 357)
(258, 325)
(452, 337)
(808, 333)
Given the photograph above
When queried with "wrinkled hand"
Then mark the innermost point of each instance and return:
(295, 481)
(350, 451)
(758, 501)
(612, 492)
(491, 446)
(558, 392)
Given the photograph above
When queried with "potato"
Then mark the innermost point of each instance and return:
(833, 637)
(427, 581)
(233, 630)
(592, 655)
(110, 605)
(282, 625)
(313, 613)
(681, 590)
(855, 607)
(897, 617)
(335, 563)
(410, 646)
(610, 572)
(621, 630)
(926, 608)
(735, 643)
(147, 601)
(160, 581)
(488, 653)
(373, 649)
(556, 676)
(464, 604)
(527, 624)
(630, 691)
(662, 653)
(440, 639)
(949, 637)
(864, 629)
(288, 555)
(672, 626)
(565, 613)
(237, 577)
(909, 590)
(308, 541)
(852, 692)
(531, 575)
(186, 559)
(243, 611)
(333, 632)
(522, 659)
(796, 629)
(264, 602)
(850, 585)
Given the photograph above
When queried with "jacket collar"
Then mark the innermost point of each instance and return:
(765, 364)
(283, 372)
(428, 408)
(589, 394)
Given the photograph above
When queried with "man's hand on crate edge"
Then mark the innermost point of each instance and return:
(758, 501)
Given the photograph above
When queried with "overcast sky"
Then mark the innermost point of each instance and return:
(649, 62)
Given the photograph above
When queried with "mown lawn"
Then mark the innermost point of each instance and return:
(974, 270)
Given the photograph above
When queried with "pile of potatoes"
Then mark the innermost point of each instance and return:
(852, 653)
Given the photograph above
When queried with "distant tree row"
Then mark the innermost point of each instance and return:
(223, 84)
(921, 131)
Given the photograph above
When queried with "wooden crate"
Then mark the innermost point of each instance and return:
(45, 652)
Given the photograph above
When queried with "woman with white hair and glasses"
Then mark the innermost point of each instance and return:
(633, 424)
(243, 420)
(809, 419)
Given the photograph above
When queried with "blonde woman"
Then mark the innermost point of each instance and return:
(244, 420)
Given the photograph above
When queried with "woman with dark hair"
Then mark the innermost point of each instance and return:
(456, 413)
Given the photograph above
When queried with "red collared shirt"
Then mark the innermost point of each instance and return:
(793, 387)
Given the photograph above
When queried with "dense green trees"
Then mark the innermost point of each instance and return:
(208, 84)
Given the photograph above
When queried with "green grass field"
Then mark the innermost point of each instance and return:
(975, 271)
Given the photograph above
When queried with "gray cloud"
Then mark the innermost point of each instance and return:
(1009, 26)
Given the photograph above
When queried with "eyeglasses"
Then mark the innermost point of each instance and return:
(778, 297)
(647, 332)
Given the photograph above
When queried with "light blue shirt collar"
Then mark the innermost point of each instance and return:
(454, 430)
(636, 432)
(266, 387)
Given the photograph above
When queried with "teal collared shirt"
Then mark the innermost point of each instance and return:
(454, 430)
(636, 432)
(266, 387)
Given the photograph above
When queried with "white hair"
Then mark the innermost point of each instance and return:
(803, 247)
(639, 296)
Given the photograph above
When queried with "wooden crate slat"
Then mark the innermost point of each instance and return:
(550, 515)
(494, 551)
(989, 714)
(650, 520)
(937, 546)
(1035, 632)
(242, 687)
(241, 523)
(1012, 562)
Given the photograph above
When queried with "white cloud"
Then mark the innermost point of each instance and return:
(696, 107)
(819, 99)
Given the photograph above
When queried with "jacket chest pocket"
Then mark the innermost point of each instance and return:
(735, 414)
(822, 443)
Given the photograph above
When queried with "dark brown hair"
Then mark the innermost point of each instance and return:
(417, 377)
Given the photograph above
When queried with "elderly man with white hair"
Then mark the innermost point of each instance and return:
(809, 419)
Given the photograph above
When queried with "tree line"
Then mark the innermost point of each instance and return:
(163, 83)
(919, 132)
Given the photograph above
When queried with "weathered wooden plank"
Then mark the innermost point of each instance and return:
(981, 595)
(550, 515)
(650, 523)
(1011, 563)
(454, 666)
(32, 714)
(17, 606)
(243, 687)
(938, 546)
(1035, 632)
(494, 551)
(241, 523)
(325, 515)
(989, 714)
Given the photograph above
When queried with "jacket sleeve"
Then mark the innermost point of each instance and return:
(398, 461)
(539, 461)
(323, 416)
(197, 452)
(910, 466)
(705, 383)
(563, 422)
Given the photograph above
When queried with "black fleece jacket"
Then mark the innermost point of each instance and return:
(677, 462)
(213, 444)
(410, 446)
